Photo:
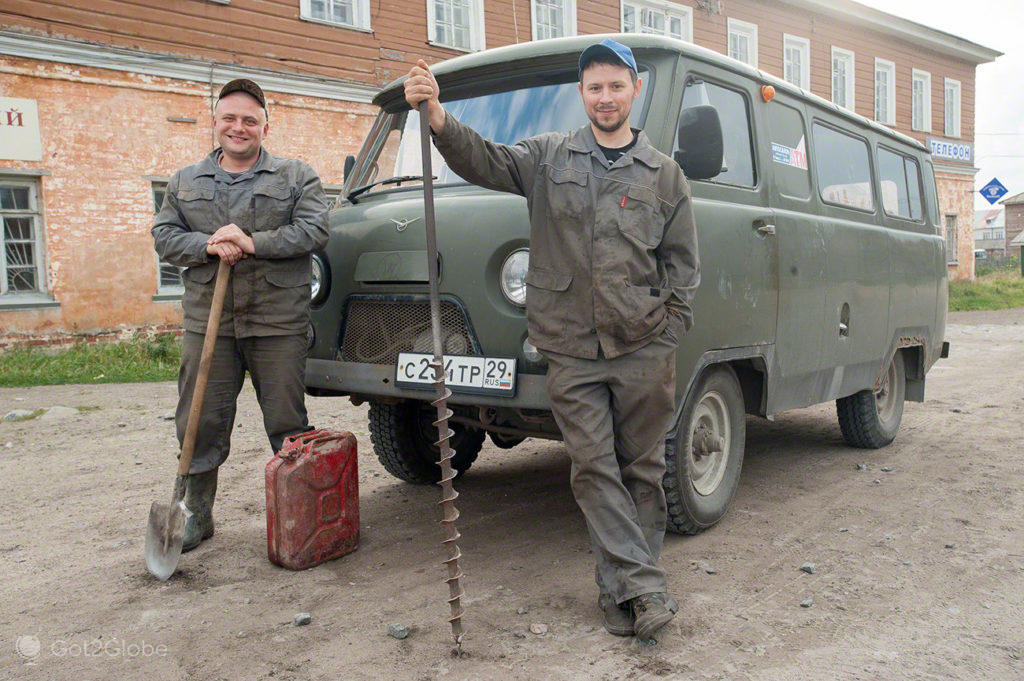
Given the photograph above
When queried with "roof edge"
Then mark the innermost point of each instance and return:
(911, 31)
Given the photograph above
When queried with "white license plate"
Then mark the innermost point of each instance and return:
(491, 375)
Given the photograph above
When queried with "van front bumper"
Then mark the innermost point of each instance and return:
(376, 381)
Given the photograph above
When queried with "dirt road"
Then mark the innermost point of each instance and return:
(919, 559)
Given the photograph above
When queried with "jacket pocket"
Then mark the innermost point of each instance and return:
(201, 274)
(198, 206)
(273, 205)
(639, 217)
(289, 278)
(567, 194)
(643, 313)
(548, 304)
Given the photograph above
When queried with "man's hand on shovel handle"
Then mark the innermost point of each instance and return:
(226, 251)
(420, 85)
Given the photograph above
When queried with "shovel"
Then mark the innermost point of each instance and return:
(166, 528)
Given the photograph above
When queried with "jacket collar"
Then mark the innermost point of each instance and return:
(583, 141)
(267, 162)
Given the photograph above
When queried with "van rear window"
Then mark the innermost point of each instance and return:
(842, 168)
(900, 180)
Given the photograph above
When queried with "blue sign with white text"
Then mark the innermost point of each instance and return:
(993, 191)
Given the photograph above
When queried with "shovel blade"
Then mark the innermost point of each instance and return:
(164, 536)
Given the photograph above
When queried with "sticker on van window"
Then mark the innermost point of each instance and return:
(790, 156)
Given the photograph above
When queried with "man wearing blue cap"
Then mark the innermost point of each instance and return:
(613, 268)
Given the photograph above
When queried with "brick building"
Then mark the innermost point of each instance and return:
(101, 102)
(1014, 221)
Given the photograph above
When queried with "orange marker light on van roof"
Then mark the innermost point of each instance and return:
(767, 92)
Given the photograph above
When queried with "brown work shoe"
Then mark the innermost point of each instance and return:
(650, 613)
(618, 619)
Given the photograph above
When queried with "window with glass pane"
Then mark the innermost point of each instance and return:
(549, 18)
(900, 184)
(789, 151)
(742, 43)
(350, 13)
(452, 23)
(921, 108)
(842, 168)
(952, 107)
(658, 18)
(733, 113)
(796, 55)
(885, 73)
(951, 238)
(20, 262)
(169, 275)
(842, 78)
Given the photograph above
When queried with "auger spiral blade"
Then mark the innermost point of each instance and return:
(449, 514)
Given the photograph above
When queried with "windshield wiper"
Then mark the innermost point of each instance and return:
(391, 180)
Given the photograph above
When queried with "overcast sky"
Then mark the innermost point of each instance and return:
(999, 103)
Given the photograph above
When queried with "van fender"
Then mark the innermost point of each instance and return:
(751, 364)
(916, 343)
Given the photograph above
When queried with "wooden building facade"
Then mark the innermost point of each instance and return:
(102, 100)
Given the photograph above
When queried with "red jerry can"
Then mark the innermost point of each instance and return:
(312, 499)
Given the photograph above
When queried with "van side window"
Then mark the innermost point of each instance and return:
(738, 156)
(789, 151)
(900, 182)
(842, 168)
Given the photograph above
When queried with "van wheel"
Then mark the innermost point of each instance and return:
(870, 419)
(505, 441)
(703, 461)
(403, 437)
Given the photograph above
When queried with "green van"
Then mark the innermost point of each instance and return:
(824, 271)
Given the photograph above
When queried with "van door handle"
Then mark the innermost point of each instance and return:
(764, 228)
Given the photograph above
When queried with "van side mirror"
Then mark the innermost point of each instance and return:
(350, 161)
(700, 142)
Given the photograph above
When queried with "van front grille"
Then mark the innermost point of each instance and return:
(377, 329)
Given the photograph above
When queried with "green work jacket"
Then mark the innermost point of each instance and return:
(280, 203)
(613, 248)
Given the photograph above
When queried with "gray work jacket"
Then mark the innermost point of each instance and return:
(613, 248)
(280, 203)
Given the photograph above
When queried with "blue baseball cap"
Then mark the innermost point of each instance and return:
(608, 47)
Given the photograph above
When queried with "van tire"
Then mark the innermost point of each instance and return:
(403, 437)
(699, 490)
(870, 419)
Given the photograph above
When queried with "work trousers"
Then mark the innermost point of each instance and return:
(275, 364)
(614, 414)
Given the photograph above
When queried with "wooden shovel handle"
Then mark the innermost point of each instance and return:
(188, 445)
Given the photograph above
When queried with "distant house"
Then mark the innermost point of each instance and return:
(1014, 217)
(990, 231)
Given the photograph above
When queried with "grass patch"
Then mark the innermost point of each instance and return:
(994, 291)
(138, 360)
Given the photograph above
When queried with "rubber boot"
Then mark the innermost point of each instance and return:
(200, 489)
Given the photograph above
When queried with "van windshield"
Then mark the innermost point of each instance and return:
(391, 154)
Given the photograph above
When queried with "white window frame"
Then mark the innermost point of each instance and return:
(921, 119)
(803, 46)
(360, 16)
(850, 90)
(477, 39)
(35, 212)
(746, 30)
(670, 10)
(952, 244)
(568, 19)
(164, 291)
(890, 90)
(951, 124)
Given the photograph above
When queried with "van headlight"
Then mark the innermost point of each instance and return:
(321, 280)
(513, 276)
